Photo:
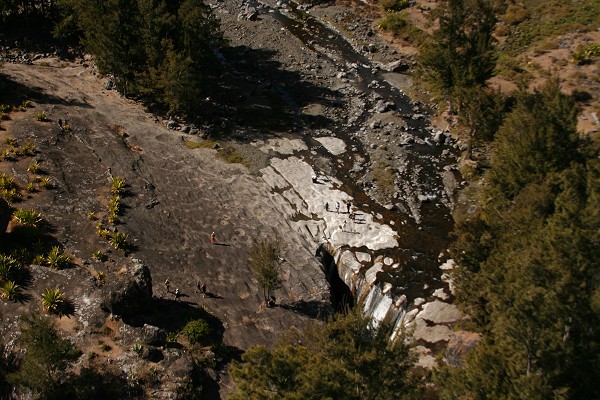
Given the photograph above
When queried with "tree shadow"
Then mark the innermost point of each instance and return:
(258, 96)
(312, 309)
(15, 93)
(172, 316)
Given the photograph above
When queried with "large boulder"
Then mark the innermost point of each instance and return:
(4, 215)
(128, 291)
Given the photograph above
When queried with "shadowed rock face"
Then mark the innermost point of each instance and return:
(4, 215)
(128, 292)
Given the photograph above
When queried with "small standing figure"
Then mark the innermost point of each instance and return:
(344, 226)
(201, 287)
(348, 205)
(177, 294)
(314, 179)
(326, 206)
(213, 238)
(337, 207)
(167, 285)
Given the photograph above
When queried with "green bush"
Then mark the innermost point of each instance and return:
(56, 259)
(10, 290)
(196, 330)
(119, 241)
(393, 22)
(394, 5)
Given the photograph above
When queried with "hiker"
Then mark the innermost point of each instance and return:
(314, 179)
(337, 207)
(177, 294)
(326, 206)
(213, 238)
(344, 226)
(201, 287)
(348, 205)
(167, 285)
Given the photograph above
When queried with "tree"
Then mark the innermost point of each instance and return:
(346, 358)
(527, 263)
(460, 53)
(539, 137)
(43, 368)
(264, 262)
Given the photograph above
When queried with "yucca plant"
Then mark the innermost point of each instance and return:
(114, 204)
(46, 182)
(98, 255)
(28, 217)
(9, 267)
(10, 290)
(56, 259)
(101, 277)
(34, 167)
(52, 300)
(118, 240)
(7, 182)
(113, 218)
(11, 195)
(41, 116)
(118, 185)
(28, 149)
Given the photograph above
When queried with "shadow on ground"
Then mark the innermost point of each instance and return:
(256, 95)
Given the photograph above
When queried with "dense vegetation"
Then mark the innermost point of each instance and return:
(528, 261)
(527, 271)
(156, 50)
(346, 358)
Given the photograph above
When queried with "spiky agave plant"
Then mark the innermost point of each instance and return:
(118, 185)
(56, 259)
(52, 299)
(28, 217)
(10, 290)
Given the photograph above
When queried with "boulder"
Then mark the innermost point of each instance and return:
(128, 291)
(4, 215)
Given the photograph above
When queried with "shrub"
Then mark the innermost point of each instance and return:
(34, 167)
(56, 259)
(196, 330)
(9, 268)
(118, 240)
(393, 22)
(113, 218)
(52, 299)
(28, 217)
(6, 182)
(98, 255)
(394, 5)
(12, 196)
(10, 290)
(138, 349)
(585, 54)
(28, 149)
(46, 183)
(41, 116)
(114, 204)
(118, 185)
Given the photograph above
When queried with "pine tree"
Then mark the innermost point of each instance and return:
(346, 358)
